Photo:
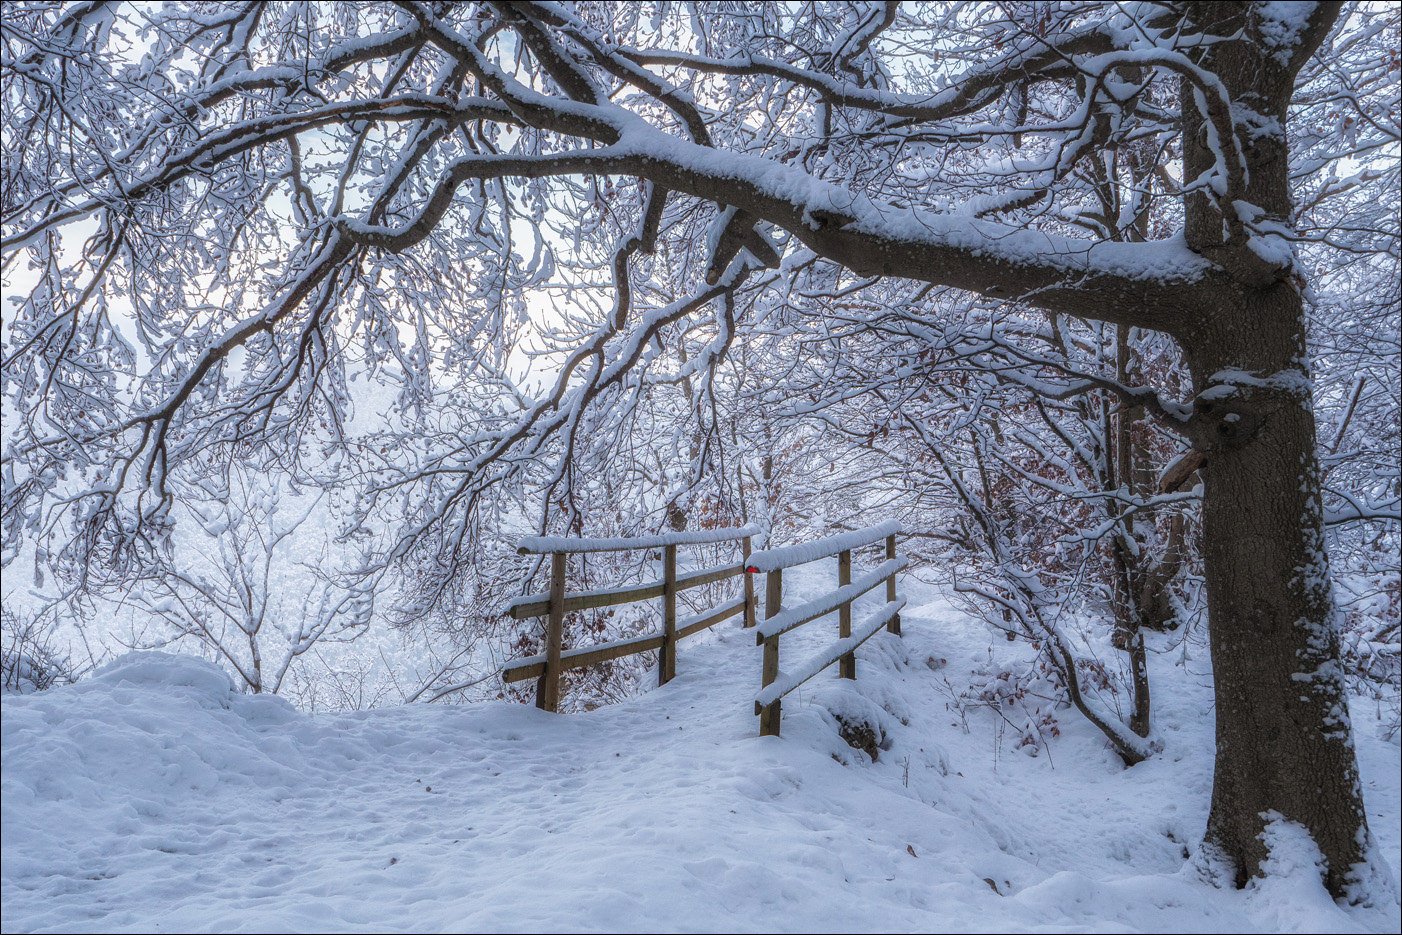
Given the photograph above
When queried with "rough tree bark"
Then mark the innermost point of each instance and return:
(1284, 745)
(1283, 734)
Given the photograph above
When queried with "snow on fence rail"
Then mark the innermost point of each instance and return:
(546, 667)
(776, 684)
(539, 545)
(805, 552)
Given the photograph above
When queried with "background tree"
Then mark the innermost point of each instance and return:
(252, 578)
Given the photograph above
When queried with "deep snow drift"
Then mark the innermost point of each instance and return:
(151, 797)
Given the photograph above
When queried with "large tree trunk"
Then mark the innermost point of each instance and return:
(1284, 745)
(1283, 736)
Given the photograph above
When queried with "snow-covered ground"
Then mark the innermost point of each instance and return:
(151, 797)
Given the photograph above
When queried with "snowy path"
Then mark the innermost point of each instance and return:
(150, 798)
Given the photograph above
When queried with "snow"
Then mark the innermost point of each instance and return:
(803, 552)
(1282, 23)
(1223, 382)
(1168, 260)
(532, 545)
(153, 797)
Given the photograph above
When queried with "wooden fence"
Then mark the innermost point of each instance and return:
(546, 667)
(775, 684)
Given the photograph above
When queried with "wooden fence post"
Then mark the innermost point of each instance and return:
(547, 694)
(847, 666)
(773, 602)
(667, 655)
(895, 625)
(750, 620)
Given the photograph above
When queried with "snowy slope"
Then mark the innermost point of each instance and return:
(153, 798)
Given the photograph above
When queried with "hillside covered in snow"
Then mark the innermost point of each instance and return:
(153, 797)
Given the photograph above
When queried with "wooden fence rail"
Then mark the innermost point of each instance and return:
(547, 667)
(554, 603)
(774, 683)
